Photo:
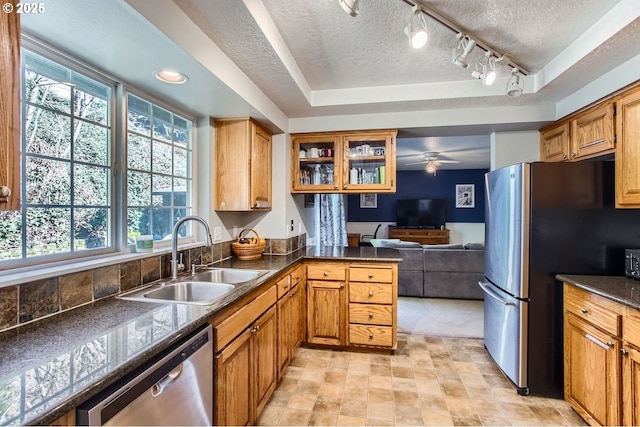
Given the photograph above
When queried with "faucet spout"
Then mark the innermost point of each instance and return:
(174, 240)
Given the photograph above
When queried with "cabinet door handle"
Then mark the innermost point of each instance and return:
(5, 192)
(584, 310)
(610, 344)
(345, 186)
(624, 352)
(573, 155)
(341, 285)
(370, 293)
(293, 294)
(335, 187)
(564, 156)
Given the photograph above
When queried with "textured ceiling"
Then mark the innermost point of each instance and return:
(312, 60)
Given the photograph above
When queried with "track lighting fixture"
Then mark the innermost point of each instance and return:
(486, 69)
(416, 29)
(515, 85)
(350, 6)
(460, 53)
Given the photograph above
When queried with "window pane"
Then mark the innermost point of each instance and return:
(91, 187)
(10, 235)
(162, 159)
(48, 181)
(162, 223)
(92, 105)
(48, 230)
(47, 92)
(181, 192)
(180, 158)
(181, 213)
(162, 127)
(181, 132)
(91, 143)
(138, 153)
(47, 133)
(138, 223)
(138, 189)
(138, 115)
(90, 228)
(162, 190)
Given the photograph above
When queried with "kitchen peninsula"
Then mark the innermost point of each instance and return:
(52, 366)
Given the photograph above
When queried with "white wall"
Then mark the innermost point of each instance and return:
(508, 148)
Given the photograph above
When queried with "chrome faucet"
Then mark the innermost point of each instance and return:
(174, 241)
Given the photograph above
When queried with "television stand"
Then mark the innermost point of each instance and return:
(424, 236)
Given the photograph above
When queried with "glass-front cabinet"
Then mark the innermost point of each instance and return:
(344, 162)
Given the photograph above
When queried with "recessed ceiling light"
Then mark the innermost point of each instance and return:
(171, 76)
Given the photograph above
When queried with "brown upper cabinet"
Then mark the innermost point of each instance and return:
(628, 150)
(9, 111)
(243, 165)
(344, 162)
(586, 134)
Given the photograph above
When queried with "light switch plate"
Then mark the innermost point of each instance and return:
(217, 234)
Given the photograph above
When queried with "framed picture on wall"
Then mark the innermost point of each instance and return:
(465, 196)
(368, 201)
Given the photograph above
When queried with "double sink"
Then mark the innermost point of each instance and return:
(202, 288)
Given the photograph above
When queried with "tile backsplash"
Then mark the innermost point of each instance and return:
(33, 300)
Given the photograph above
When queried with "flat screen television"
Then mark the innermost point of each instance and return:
(420, 213)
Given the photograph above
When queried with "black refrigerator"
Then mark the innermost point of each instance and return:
(543, 219)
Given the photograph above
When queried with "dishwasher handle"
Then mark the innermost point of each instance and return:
(487, 290)
(165, 382)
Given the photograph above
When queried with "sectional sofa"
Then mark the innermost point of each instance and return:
(439, 271)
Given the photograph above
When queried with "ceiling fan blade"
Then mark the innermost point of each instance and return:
(416, 163)
(425, 154)
(447, 161)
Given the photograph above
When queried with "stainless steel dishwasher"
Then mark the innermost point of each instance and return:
(175, 390)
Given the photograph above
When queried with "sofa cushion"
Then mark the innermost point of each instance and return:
(453, 285)
(445, 246)
(394, 243)
(462, 260)
(412, 259)
(474, 245)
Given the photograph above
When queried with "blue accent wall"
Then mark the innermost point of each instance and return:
(421, 185)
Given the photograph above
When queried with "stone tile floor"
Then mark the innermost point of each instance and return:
(428, 381)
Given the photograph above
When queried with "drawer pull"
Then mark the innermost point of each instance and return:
(370, 336)
(624, 352)
(370, 293)
(341, 285)
(370, 315)
(584, 310)
(370, 275)
(293, 294)
(326, 273)
(286, 286)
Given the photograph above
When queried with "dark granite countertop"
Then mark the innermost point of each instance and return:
(49, 367)
(617, 288)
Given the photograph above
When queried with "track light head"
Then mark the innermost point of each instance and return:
(350, 6)
(460, 53)
(486, 70)
(416, 29)
(515, 85)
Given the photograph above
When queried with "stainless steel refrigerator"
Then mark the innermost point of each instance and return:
(542, 219)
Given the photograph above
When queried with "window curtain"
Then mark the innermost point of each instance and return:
(330, 220)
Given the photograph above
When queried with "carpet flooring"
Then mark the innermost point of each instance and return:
(440, 317)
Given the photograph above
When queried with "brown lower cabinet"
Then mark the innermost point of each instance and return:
(290, 317)
(601, 358)
(245, 342)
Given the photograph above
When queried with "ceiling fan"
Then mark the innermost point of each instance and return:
(431, 159)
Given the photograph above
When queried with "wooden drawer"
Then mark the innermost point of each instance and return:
(296, 276)
(599, 311)
(376, 275)
(283, 285)
(371, 314)
(631, 327)
(371, 293)
(326, 272)
(371, 335)
(231, 327)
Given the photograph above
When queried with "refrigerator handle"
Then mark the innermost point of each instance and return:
(487, 290)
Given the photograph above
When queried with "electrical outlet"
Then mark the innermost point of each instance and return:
(217, 234)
